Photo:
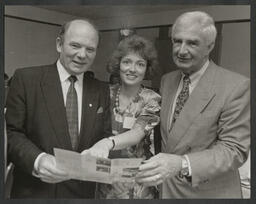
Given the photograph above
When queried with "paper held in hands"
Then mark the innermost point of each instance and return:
(89, 168)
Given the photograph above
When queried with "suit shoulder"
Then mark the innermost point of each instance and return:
(99, 82)
(32, 71)
(170, 75)
(230, 76)
(227, 82)
(101, 85)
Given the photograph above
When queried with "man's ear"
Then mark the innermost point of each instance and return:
(210, 47)
(58, 44)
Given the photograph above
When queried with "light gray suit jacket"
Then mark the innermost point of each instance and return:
(213, 129)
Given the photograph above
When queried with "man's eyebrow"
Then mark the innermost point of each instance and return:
(193, 40)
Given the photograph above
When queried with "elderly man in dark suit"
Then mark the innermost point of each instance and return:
(205, 119)
(56, 106)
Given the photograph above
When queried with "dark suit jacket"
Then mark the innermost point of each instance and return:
(213, 129)
(36, 123)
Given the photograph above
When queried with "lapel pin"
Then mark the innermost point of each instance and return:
(90, 105)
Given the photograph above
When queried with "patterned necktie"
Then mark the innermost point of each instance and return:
(182, 98)
(72, 112)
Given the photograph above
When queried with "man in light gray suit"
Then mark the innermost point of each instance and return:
(205, 119)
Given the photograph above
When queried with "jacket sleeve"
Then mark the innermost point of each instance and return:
(107, 113)
(21, 151)
(231, 148)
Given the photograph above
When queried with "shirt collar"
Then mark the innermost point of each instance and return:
(64, 74)
(197, 75)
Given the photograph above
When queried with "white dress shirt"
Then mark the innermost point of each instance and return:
(65, 83)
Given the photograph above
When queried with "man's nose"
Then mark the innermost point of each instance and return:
(82, 53)
(183, 49)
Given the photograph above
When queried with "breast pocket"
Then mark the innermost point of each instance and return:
(99, 120)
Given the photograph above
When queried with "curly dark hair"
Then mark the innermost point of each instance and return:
(134, 44)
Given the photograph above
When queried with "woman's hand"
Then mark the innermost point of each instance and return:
(100, 149)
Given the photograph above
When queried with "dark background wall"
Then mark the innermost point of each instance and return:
(30, 34)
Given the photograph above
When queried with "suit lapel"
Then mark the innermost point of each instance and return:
(53, 96)
(168, 91)
(196, 103)
(89, 108)
(171, 92)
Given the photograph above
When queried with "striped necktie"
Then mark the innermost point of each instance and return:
(72, 112)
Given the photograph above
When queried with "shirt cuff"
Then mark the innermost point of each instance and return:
(35, 170)
(189, 166)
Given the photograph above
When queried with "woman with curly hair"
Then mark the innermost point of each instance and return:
(135, 112)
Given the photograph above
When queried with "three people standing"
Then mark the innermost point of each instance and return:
(204, 118)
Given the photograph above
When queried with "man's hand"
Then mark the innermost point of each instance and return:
(48, 172)
(100, 149)
(158, 168)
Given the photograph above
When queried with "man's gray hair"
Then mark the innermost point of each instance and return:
(205, 21)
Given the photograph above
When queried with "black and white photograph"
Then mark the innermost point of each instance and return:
(165, 83)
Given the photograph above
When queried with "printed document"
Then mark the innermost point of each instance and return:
(89, 168)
